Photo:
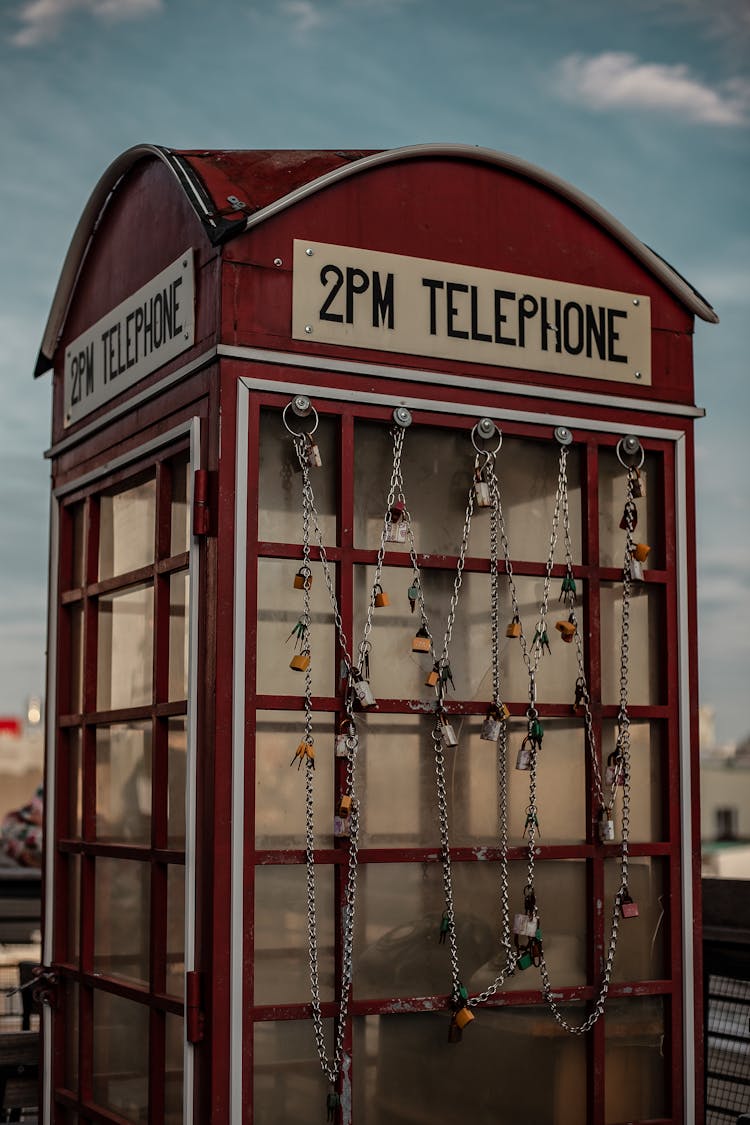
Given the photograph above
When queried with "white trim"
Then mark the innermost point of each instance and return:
(50, 771)
(439, 378)
(191, 772)
(686, 825)
(124, 459)
(237, 1005)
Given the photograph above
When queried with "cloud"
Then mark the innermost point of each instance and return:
(304, 15)
(618, 80)
(42, 20)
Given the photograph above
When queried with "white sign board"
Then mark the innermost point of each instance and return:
(144, 332)
(416, 306)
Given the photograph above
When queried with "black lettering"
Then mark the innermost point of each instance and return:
(129, 361)
(105, 369)
(544, 323)
(475, 333)
(612, 355)
(89, 359)
(595, 331)
(324, 314)
(570, 347)
(557, 327)
(148, 327)
(528, 307)
(138, 329)
(120, 364)
(111, 354)
(451, 288)
(75, 395)
(382, 300)
(433, 285)
(357, 282)
(500, 317)
(176, 306)
(167, 303)
(158, 321)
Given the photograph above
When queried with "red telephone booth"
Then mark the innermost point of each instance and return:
(496, 548)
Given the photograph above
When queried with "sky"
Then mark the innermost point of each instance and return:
(645, 106)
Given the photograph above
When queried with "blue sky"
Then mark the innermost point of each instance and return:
(645, 106)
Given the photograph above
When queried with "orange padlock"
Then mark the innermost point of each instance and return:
(567, 629)
(514, 629)
(345, 806)
(422, 641)
(300, 661)
(433, 676)
(463, 1017)
(381, 598)
(303, 578)
(641, 552)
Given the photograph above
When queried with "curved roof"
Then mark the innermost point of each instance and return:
(234, 191)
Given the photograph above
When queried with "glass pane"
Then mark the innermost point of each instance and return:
(289, 1085)
(71, 1035)
(125, 653)
(121, 919)
(120, 1063)
(76, 514)
(280, 505)
(647, 797)
(514, 1066)
(649, 529)
(280, 607)
(642, 941)
(647, 664)
(280, 789)
(75, 618)
(74, 782)
(635, 1068)
(73, 928)
(179, 609)
(176, 782)
(174, 1031)
(123, 782)
(126, 528)
(281, 945)
(175, 930)
(399, 673)
(438, 467)
(180, 534)
(398, 949)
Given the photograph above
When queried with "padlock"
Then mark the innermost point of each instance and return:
(614, 773)
(492, 726)
(628, 908)
(454, 1031)
(381, 598)
(524, 926)
(523, 758)
(396, 532)
(422, 641)
(312, 453)
(481, 494)
(636, 570)
(447, 733)
(303, 578)
(463, 1017)
(514, 628)
(639, 485)
(341, 745)
(536, 732)
(333, 1101)
(433, 676)
(566, 629)
(300, 661)
(580, 696)
(342, 827)
(413, 595)
(525, 961)
(606, 827)
(345, 805)
(641, 551)
(363, 692)
(397, 511)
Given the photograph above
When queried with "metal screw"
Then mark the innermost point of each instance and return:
(301, 406)
(486, 428)
(308, 329)
(278, 262)
(309, 251)
(630, 445)
(636, 301)
(637, 374)
(402, 416)
(563, 435)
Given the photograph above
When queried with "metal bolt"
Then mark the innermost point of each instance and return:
(278, 262)
(563, 435)
(636, 301)
(630, 445)
(301, 406)
(308, 329)
(637, 374)
(402, 416)
(486, 428)
(309, 251)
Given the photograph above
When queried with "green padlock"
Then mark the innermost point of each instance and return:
(524, 961)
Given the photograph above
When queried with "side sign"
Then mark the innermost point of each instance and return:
(390, 302)
(147, 330)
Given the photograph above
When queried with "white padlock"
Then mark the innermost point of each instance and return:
(523, 759)
(491, 729)
(525, 926)
(606, 828)
(396, 532)
(448, 734)
(481, 494)
(636, 570)
(363, 692)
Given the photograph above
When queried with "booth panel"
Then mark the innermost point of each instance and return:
(288, 1084)
(279, 798)
(636, 1061)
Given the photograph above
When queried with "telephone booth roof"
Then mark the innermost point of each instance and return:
(233, 191)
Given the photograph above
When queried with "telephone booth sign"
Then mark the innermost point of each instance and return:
(372, 747)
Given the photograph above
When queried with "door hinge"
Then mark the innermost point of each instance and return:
(201, 510)
(194, 1016)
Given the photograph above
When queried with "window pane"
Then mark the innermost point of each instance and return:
(120, 1063)
(76, 513)
(125, 653)
(71, 1035)
(73, 929)
(175, 930)
(635, 1068)
(180, 534)
(121, 919)
(280, 504)
(280, 788)
(281, 944)
(646, 666)
(612, 485)
(280, 607)
(289, 1085)
(514, 1066)
(75, 618)
(126, 528)
(647, 796)
(642, 941)
(74, 782)
(176, 782)
(174, 1029)
(123, 782)
(179, 608)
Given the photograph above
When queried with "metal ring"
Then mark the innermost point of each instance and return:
(291, 406)
(485, 424)
(630, 447)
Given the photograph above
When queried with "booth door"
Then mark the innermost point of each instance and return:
(116, 921)
(515, 1064)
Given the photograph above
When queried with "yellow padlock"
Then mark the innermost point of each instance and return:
(381, 598)
(567, 630)
(345, 805)
(433, 677)
(463, 1017)
(641, 551)
(300, 661)
(303, 578)
(421, 642)
(514, 629)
